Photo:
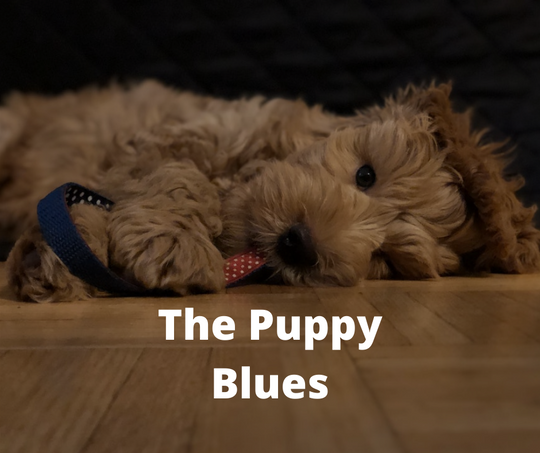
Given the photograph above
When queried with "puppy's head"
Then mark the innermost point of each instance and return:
(405, 189)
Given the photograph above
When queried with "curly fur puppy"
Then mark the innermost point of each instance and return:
(405, 189)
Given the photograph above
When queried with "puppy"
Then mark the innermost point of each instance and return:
(405, 189)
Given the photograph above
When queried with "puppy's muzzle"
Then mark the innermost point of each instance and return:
(296, 247)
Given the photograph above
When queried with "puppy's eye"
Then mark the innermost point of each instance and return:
(365, 177)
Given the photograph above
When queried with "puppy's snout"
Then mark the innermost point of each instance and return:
(296, 248)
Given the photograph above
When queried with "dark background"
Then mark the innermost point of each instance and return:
(342, 53)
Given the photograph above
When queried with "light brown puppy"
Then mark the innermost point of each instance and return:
(405, 189)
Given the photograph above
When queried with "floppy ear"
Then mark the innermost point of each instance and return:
(511, 243)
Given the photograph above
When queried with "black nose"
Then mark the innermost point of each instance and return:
(296, 248)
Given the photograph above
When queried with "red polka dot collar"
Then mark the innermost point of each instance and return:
(239, 267)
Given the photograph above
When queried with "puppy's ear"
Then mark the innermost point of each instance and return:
(435, 102)
(510, 241)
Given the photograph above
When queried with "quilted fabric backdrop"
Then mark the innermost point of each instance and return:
(342, 53)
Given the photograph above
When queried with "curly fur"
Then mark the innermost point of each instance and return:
(197, 178)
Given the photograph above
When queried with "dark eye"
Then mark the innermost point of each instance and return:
(365, 177)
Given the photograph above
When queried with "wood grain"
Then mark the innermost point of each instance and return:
(455, 367)
(457, 403)
(156, 408)
(51, 400)
(347, 420)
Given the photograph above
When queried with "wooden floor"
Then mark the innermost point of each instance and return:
(455, 367)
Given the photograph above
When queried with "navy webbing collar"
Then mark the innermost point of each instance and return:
(62, 236)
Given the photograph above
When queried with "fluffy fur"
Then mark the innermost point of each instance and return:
(197, 178)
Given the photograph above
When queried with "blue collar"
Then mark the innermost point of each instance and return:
(62, 236)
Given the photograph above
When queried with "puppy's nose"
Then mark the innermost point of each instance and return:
(296, 248)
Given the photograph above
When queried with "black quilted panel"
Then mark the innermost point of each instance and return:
(343, 53)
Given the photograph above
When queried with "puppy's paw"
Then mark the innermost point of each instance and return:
(161, 252)
(36, 274)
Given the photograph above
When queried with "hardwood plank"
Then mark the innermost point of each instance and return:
(478, 441)
(455, 367)
(250, 289)
(354, 304)
(413, 320)
(529, 298)
(347, 420)
(51, 400)
(135, 321)
(282, 289)
(464, 312)
(481, 282)
(459, 404)
(522, 316)
(484, 282)
(156, 408)
(465, 351)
